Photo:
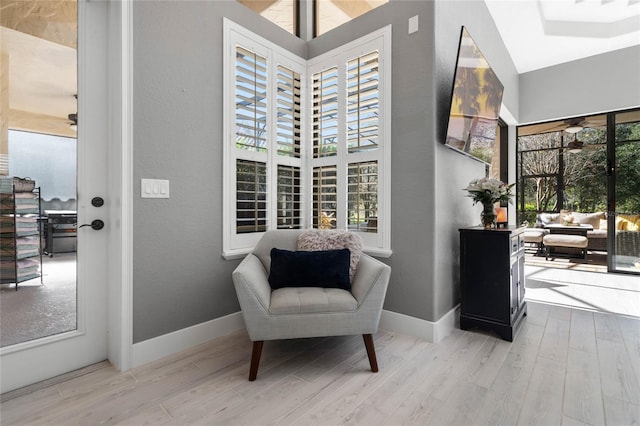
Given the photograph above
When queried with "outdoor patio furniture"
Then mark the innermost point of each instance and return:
(534, 236)
(569, 245)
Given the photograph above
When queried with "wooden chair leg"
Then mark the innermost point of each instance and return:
(371, 352)
(255, 359)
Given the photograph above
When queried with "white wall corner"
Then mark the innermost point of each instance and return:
(432, 332)
(180, 340)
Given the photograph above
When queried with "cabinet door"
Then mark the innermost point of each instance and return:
(517, 283)
(521, 281)
(485, 276)
(514, 286)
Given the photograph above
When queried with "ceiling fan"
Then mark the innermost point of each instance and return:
(576, 124)
(73, 118)
(73, 121)
(576, 146)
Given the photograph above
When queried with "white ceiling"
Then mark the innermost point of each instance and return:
(44, 74)
(542, 33)
(537, 34)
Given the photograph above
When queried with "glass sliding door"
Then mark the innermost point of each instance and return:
(624, 220)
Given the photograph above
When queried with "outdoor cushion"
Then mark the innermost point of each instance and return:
(565, 240)
(533, 235)
(549, 218)
(628, 222)
(592, 219)
(597, 233)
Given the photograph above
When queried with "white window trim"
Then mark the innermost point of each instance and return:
(378, 243)
(238, 245)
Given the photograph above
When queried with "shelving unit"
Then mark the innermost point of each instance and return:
(20, 236)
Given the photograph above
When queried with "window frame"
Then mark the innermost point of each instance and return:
(316, 17)
(378, 243)
(237, 245)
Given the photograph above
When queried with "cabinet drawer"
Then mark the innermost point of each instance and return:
(514, 244)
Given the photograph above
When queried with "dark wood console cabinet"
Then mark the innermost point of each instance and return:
(492, 280)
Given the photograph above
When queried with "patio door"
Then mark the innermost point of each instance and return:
(624, 201)
(28, 362)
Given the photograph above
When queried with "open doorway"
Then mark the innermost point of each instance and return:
(577, 179)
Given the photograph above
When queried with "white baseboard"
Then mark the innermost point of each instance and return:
(430, 331)
(168, 344)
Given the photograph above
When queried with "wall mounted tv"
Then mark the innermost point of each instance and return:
(475, 103)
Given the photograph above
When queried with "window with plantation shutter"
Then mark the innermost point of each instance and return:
(350, 89)
(289, 198)
(363, 103)
(325, 113)
(263, 133)
(251, 100)
(325, 200)
(362, 196)
(251, 196)
(289, 125)
(306, 141)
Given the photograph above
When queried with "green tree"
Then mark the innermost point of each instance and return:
(628, 167)
(543, 156)
(539, 163)
(585, 178)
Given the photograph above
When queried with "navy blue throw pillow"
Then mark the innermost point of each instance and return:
(328, 269)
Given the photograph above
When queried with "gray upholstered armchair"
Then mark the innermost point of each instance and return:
(298, 312)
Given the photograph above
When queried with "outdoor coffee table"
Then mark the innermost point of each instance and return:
(581, 229)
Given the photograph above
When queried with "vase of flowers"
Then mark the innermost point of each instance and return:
(488, 216)
(489, 191)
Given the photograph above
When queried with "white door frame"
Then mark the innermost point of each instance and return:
(24, 364)
(120, 251)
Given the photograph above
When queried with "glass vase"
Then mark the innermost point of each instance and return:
(488, 216)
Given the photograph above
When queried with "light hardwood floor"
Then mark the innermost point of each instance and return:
(565, 367)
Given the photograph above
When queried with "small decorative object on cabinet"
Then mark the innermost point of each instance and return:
(488, 191)
(492, 280)
(20, 241)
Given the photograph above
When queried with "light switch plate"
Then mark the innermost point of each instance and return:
(413, 24)
(154, 188)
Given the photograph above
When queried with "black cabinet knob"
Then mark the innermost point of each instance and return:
(97, 202)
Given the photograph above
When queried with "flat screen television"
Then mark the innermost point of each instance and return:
(475, 103)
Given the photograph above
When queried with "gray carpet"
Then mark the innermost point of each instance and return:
(39, 310)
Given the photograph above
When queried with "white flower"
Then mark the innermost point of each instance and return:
(489, 190)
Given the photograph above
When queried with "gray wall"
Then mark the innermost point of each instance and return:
(179, 276)
(411, 290)
(601, 83)
(454, 171)
(428, 204)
